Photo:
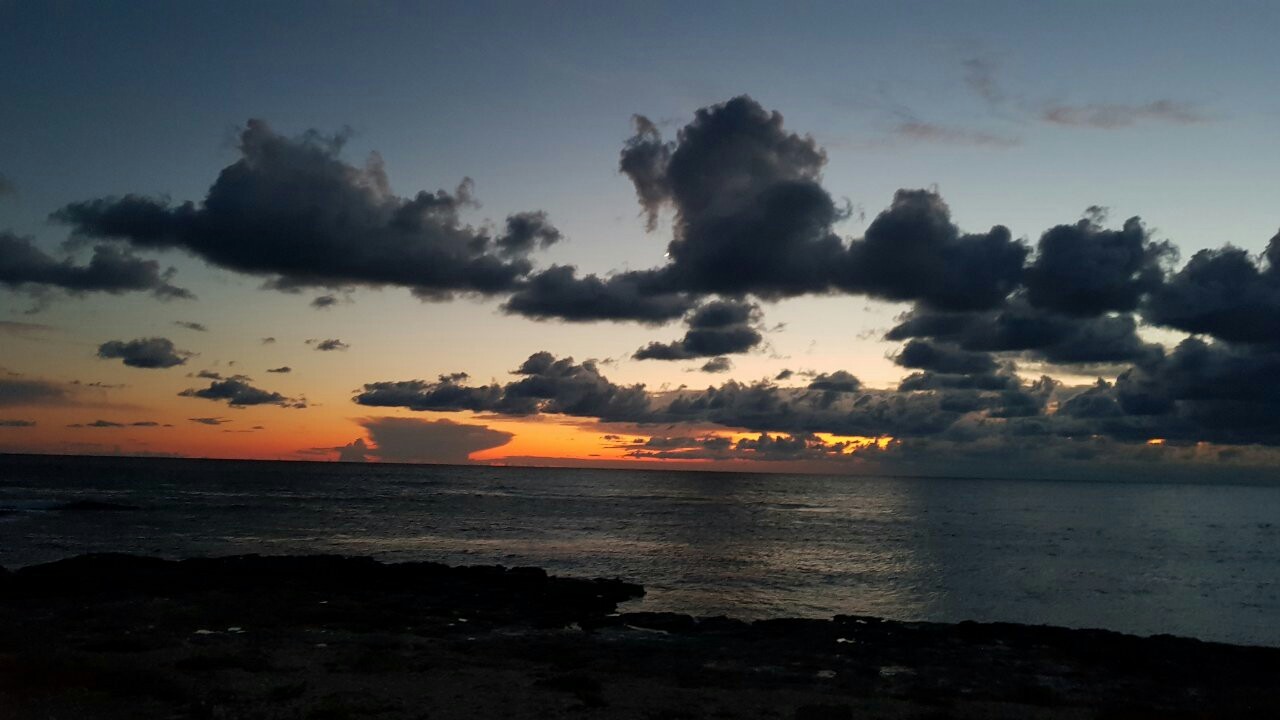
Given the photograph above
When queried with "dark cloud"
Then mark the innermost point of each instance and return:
(838, 381)
(20, 392)
(292, 210)
(717, 365)
(1113, 116)
(26, 268)
(1204, 391)
(413, 440)
(209, 420)
(328, 345)
(207, 375)
(631, 296)
(152, 353)
(783, 375)
(268, 341)
(1224, 293)
(721, 327)
(7, 187)
(356, 451)
(113, 424)
(1083, 269)
(282, 369)
(1041, 334)
(912, 251)
(198, 327)
(11, 423)
(949, 359)
(237, 392)
(324, 301)
(750, 212)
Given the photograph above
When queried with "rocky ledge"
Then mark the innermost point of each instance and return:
(116, 636)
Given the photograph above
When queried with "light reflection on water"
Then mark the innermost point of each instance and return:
(1186, 559)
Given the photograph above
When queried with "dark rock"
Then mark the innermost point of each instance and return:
(824, 712)
(666, 622)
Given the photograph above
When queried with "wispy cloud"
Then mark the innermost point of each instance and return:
(1112, 116)
(930, 132)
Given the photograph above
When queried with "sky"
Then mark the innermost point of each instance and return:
(1024, 239)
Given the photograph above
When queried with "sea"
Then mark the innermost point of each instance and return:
(1197, 560)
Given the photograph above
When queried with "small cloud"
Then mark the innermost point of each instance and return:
(149, 353)
(191, 325)
(237, 392)
(209, 420)
(208, 375)
(717, 365)
(281, 369)
(9, 423)
(268, 341)
(7, 187)
(784, 375)
(328, 345)
(324, 302)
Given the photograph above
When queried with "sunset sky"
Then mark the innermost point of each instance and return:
(914, 237)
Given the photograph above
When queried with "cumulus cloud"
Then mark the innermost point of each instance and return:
(26, 268)
(237, 392)
(292, 210)
(151, 353)
(1084, 269)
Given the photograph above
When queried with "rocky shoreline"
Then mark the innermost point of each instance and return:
(326, 637)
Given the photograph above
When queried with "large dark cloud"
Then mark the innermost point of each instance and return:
(152, 353)
(1083, 269)
(1206, 391)
(237, 392)
(750, 212)
(1224, 293)
(721, 327)
(751, 216)
(292, 210)
(27, 268)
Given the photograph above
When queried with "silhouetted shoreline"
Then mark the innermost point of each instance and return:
(119, 636)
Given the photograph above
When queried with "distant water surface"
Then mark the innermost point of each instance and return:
(1185, 559)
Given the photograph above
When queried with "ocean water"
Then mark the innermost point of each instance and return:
(1186, 559)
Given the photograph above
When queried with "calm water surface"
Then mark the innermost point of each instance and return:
(1197, 560)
